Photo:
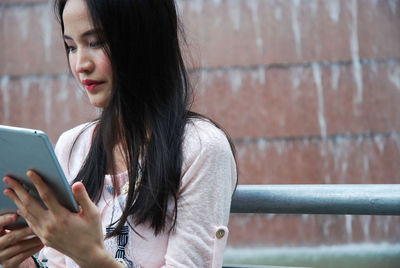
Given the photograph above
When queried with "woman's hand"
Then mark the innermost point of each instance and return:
(15, 246)
(77, 235)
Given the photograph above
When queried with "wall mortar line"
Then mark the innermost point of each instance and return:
(243, 68)
(334, 137)
(365, 61)
(21, 4)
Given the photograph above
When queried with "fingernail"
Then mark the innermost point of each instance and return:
(5, 179)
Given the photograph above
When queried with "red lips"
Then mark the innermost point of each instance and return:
(91, 84)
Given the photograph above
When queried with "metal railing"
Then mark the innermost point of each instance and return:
(353, 199)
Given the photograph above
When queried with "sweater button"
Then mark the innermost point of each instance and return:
(220, 233)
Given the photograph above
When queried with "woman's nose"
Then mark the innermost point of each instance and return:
(84, 63)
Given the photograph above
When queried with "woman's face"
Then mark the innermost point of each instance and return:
(87, 59)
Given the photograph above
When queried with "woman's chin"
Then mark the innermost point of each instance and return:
(98, 102)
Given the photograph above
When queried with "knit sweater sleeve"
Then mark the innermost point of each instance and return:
(207, 185)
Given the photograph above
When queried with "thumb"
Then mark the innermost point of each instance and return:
(82, 197)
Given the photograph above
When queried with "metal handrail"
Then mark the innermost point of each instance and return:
(354, 199)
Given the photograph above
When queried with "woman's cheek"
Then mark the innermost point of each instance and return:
(72, 66)
(105, 67)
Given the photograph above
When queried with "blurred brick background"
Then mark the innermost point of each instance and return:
(308, 89)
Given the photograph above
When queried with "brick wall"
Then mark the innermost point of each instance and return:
(308, 89)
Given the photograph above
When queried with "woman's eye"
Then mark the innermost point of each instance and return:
(70, 49)
(96, 44)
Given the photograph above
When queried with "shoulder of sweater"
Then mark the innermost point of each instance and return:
(78, 131)
(78, 134)
(203, 137)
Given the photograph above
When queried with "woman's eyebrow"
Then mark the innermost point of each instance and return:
(84, 35)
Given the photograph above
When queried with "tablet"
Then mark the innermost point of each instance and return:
(22, 149)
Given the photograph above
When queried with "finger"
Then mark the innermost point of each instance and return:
(82, 197)
(17, 188)
(19, 247)
(45, 193)
(13, 196)
(19, 258)
(7, 219)
(13, 237)
(27, 211)
(27, 204)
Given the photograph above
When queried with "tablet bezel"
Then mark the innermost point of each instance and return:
(22, 149)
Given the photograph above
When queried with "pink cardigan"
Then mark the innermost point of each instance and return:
(207, 183)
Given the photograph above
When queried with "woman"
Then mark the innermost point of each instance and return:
(154, 180)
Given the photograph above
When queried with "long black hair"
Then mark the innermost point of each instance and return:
(148, 109)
